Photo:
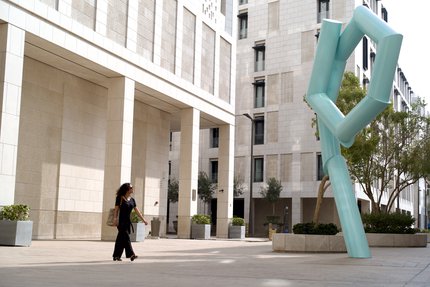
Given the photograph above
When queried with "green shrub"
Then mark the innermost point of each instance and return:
(134, 217)
(238, 221)
(201, 219)
(20, 212)
(388, 223)
(272, 219)
(316, 229)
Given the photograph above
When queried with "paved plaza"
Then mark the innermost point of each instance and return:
(177, 262)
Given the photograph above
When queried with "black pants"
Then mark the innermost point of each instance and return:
(123, 242)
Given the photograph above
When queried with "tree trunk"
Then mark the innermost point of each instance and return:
(321, 189)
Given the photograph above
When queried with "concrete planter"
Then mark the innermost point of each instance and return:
(396, 240)
(200, 231)
(335, 243)
(139, 232)
(235, 231)
(308, 243)
(16, 233)
(428, 237)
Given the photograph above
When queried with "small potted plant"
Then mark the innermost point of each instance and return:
(138, 227)
(15, 227)
(237, 228)
(200, 226)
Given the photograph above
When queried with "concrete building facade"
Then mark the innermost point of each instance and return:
(90, 91)
(276, 41)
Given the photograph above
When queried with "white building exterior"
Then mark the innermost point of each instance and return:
(90, 91)
(275, 50)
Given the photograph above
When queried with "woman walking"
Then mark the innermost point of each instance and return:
(124, 204)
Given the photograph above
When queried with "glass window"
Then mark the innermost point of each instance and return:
(258, 169)
(320, 170)
(365, 53)
(260, 56)
(241, 2)
(214, 171)
(384, 14)
(243, 25)
(323, 10)
(259, 93)
(259, 130)
(223, 7)
(214, 140)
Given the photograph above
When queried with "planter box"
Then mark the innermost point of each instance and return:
(335, 243)
(139, 232)
(200, 231)
(235, 231)
(16, 233)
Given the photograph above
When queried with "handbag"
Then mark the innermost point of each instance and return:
(111, 217)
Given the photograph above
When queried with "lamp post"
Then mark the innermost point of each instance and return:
(251, 173)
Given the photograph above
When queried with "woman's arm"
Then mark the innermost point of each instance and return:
(140, 215)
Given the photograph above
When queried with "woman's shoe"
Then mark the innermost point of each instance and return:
(133, 257)
(117, 259)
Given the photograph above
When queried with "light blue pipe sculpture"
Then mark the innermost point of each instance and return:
(334, 48)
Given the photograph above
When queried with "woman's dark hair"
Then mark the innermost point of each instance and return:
(123, 189)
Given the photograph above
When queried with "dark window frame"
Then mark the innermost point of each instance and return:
(365, 53)
(323, 11)
(259, 84)
(214, 170)
(214, 137)
(258, 130)
(384, 14)
(320, 168)
(258, 175)
(243, 25)
(260, 57)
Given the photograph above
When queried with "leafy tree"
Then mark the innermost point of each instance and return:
(238, 186)
(391, 151)
(272, 192)
(205, 187)
(173, 190)
(324, 184)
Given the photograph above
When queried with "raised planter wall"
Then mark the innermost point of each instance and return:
(396, 240)
(335, 243)
(308, 243)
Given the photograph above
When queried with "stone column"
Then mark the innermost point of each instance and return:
(158, 30)
(101, 17)
(188, 170)
(296, 209)
(132, 15)
(225, 180)
(65, 7)
(119, 138)
(11, 68)
(178, 43)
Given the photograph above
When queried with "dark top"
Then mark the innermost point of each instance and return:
(125, 208)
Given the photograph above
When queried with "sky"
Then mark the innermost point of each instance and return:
(410, 18)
